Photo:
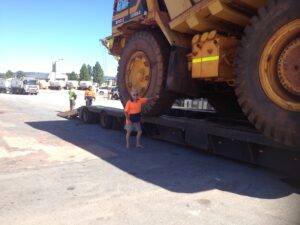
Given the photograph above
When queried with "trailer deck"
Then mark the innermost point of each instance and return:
(208, 131)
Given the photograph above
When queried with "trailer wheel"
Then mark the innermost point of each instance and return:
(106, 121)
(268, 67)
(87, 117)
(143, 66)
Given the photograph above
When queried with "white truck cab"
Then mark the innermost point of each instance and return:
(24, 86)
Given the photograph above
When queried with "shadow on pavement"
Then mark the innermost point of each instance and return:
(172, 167)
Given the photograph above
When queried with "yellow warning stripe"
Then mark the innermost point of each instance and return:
(198, 60)
(206, 59)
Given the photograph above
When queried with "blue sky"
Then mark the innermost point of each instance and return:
(34, 33)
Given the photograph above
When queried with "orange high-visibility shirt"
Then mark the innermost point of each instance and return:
(89, 93)
(134, 107)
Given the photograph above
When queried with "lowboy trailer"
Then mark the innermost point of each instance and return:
(211, 132)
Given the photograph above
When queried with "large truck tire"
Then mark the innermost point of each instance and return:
(268, 72)
(143, 66)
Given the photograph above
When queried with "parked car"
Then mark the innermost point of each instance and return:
(95, 86)
(104, 91)
(84, 84)
(115, 95)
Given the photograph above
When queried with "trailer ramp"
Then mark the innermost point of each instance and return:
(68, 114)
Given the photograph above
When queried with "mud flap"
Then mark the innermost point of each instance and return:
(179, 79)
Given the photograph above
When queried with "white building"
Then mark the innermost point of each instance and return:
(57, 72)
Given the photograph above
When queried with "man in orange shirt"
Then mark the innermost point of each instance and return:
(133, 109)
(89, 96)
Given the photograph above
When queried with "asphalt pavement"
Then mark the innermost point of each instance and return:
(59, 171)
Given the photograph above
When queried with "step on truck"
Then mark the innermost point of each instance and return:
(242, 55)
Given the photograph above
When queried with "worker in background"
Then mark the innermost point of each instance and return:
(132, 111)
(72, 97)
(89, 96)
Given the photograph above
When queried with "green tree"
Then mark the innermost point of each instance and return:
(2, 75)
(9, 74)
(20, 74)
(72, 76)
(90, 70)
(98, 73)
(84, 73)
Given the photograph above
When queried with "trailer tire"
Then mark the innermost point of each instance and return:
(87, 117)
(143, 66)
(106, 121)
(263, 97)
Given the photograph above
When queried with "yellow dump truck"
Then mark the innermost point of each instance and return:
(242, 55)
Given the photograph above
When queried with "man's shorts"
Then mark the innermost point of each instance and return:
(133, 127)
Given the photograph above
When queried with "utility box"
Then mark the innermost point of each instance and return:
(212, 56)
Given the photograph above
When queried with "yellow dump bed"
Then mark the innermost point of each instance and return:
(194, 16)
